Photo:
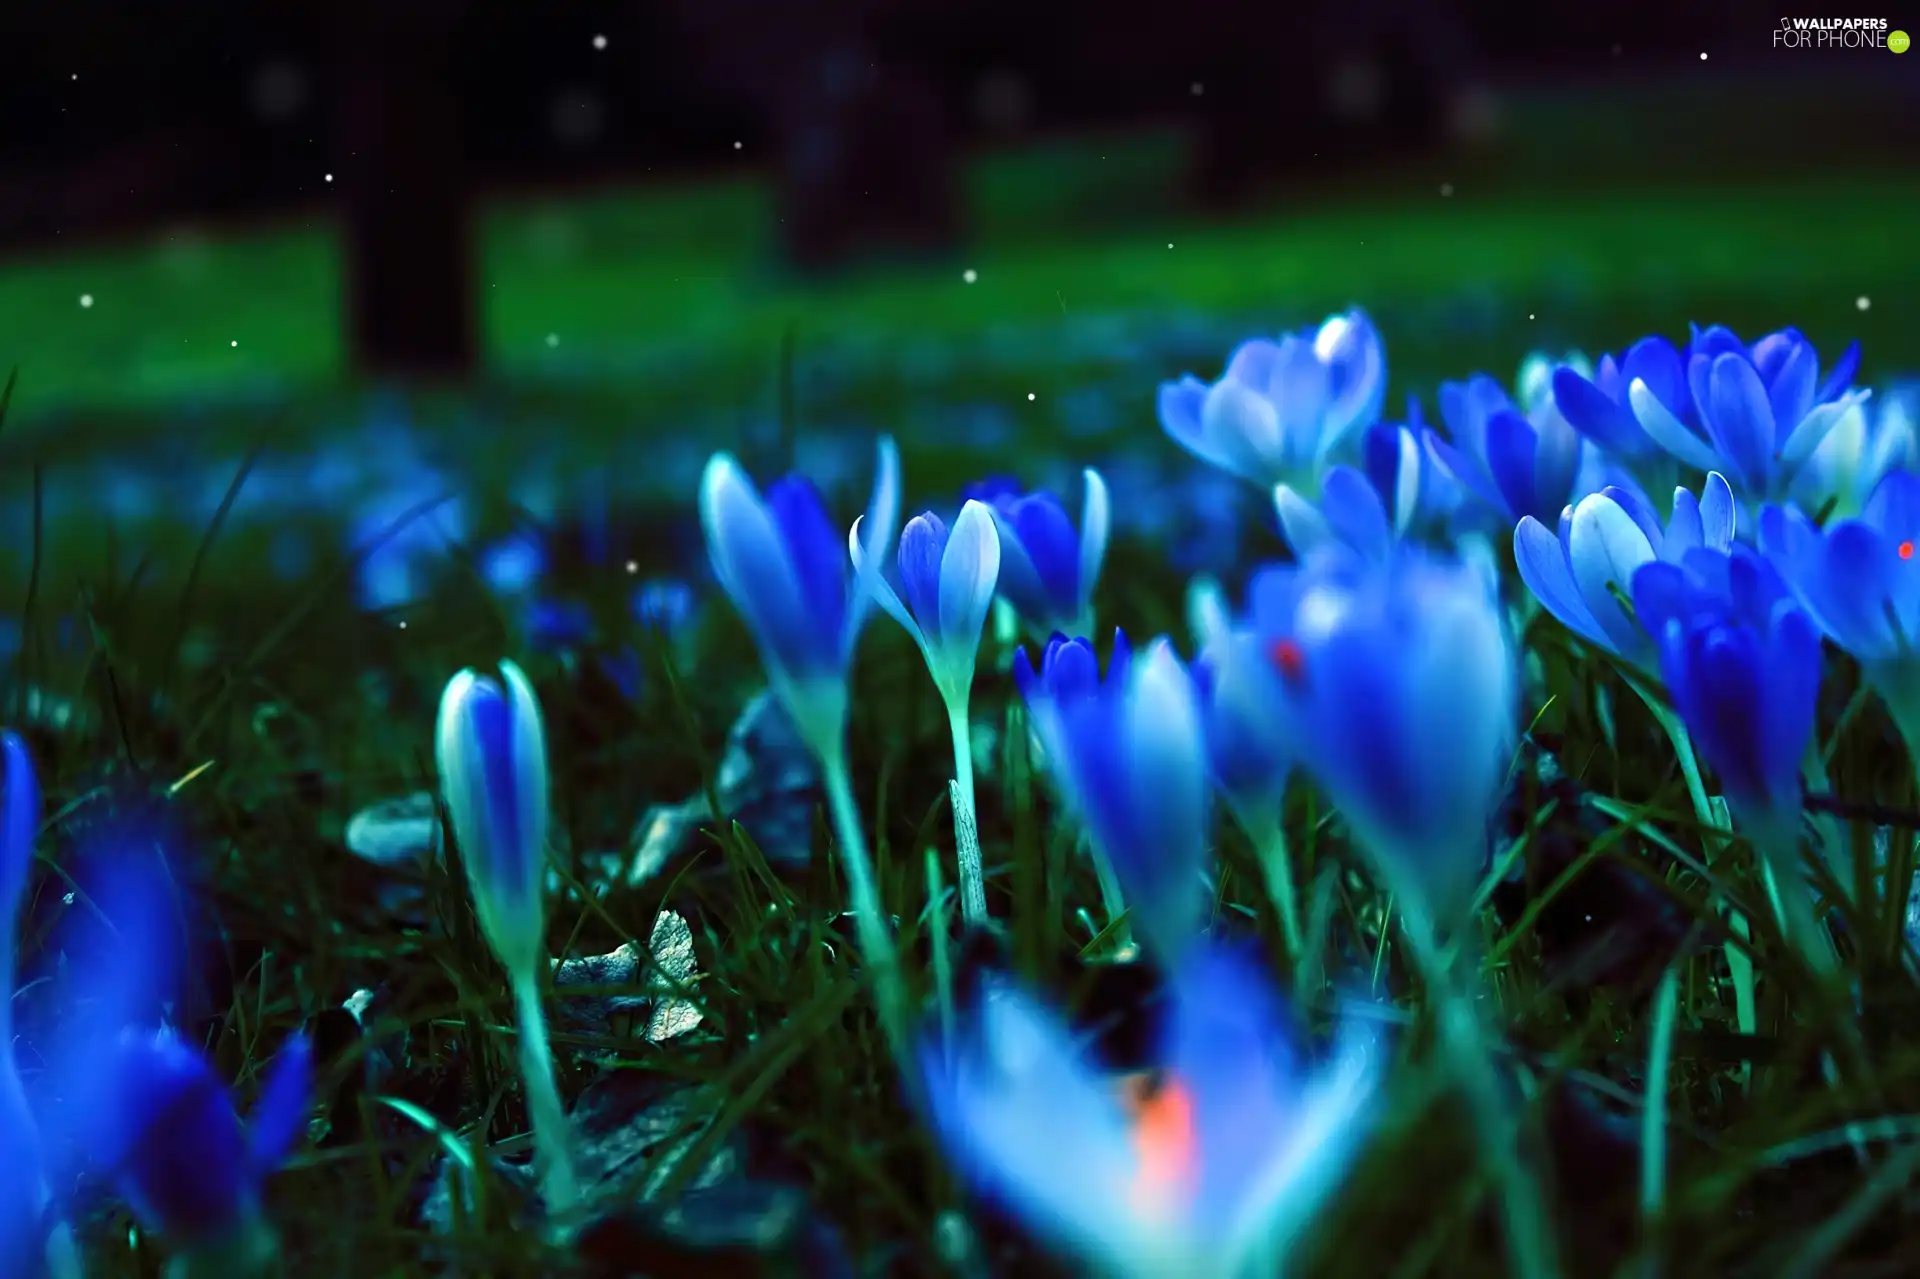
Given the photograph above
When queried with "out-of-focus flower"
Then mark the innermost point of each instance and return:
(1742, 662)
(1867, 442)
(947, 580)
(1048, 571)
(1403, 681)
(491, 752)
(410, 531)
(1420, 496)
(1517, 463)
(1580, 575)
(174, 1147)
(23, 1189)
(784, 565)
(1249, 730)
(1209, 617)
(1349, 519)
(556, 625)
(1130, 760)
(1282, 410)
(515, 564)
(1860, 583)
(1213, 1169)
(665, 605)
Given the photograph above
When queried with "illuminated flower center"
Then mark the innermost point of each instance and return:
(1163, 1138)
(1286, 656)
(1906, 550)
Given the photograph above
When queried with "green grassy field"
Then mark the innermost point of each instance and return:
(667, 295)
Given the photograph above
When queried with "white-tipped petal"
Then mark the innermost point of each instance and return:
(1301, 522)
(1718, 514)
(969, 572)
(882, 524)
(1605, 548)
(749, 556)
(1095, 527)
(1406, 481)
(1667, 430)
(877, 587)
(1209, 620)
(529, 773)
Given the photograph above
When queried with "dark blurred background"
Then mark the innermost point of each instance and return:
(613, 216)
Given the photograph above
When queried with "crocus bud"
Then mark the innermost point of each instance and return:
(947, 578)
(492, 756)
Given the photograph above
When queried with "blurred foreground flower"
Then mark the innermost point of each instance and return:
(1403, 680)
(169, 1138)
(1128, 756)
(1215, 1167)
(1048, 571)
(1282, 410)
(1581, 575)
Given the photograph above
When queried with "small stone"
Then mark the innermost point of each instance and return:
(768, 781)
(399, 833)
(654, 985)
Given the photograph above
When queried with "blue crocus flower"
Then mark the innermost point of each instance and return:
(515, 564)
(1603, 540)
(167, 1135)
(947, 581)
(1741, 661)
(1212, 1166)
(784, 565)
(1516, 463)
(1350, 518)
(1420, 497)
(1402, 678)
(1596, 402)
(1129, 757)
(23, 1187)
(1048, 572)
(410, 534)
(1868, 442)
(556, 625)
(1757, 412)
(1282, 409)
(1860, 583)
(490, 748)
(1250, 740)
(664, 605)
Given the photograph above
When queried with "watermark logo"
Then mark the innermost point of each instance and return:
(1839, 33)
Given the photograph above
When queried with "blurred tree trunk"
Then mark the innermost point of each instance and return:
(865, 152)
(409, 290)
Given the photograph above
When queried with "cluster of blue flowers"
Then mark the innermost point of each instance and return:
(1381, 663)
(124, 1099)
(1704, 518)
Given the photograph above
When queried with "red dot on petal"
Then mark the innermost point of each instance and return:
(1906, 550)
(1287, 657)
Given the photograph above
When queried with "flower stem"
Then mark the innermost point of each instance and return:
(1264, 827)
(1531, 1249)
(551, 1132)
(966, 826)
(1746, 1011)
(870, 921)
